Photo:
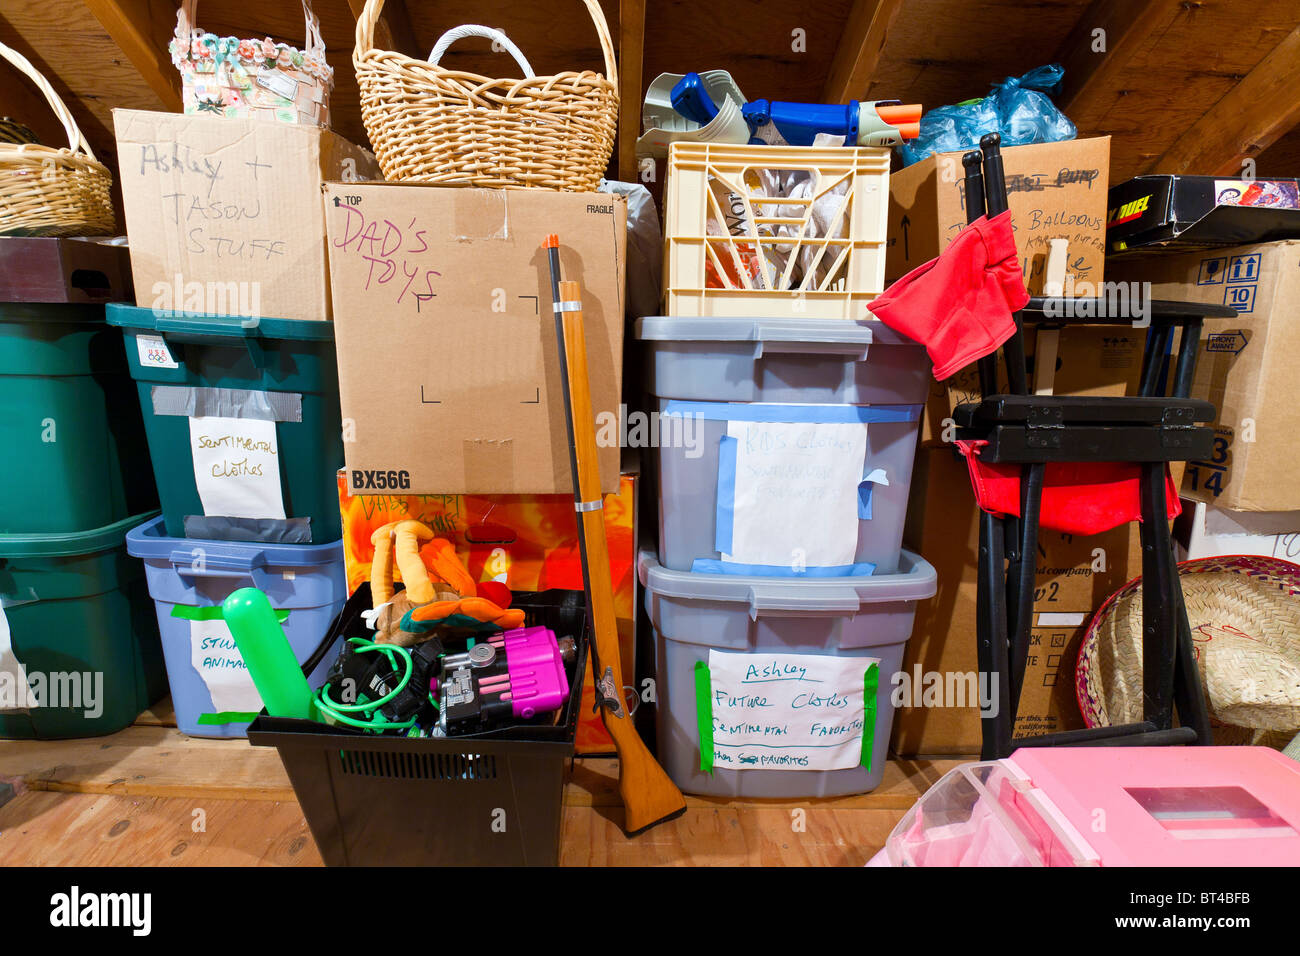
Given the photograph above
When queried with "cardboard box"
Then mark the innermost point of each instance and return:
(1247, 367)
(448, 366)
(529, 542)
(1074, 576)
(225, 215)
(1055, 191)
(1160, 213)
(1204, 531)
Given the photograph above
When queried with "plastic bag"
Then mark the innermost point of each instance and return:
(1018, 109)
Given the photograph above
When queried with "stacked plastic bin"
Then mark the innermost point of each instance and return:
(79, 652)
(244, 431)
(779, 595)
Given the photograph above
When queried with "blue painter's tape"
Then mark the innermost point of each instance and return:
(864, 500)
(714, 566)
(726, 517)
(820, 414)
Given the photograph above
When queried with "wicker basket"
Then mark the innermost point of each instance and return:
(1244, 614)
(260, 79)
(433, 125)
(53, 192)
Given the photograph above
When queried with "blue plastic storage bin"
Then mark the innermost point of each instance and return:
(188, 579)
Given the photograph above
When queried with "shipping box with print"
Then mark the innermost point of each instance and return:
(225, 215)
(449, 373)
(1247, 367)
(1054, 190)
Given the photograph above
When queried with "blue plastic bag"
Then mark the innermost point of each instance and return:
(1018, 108)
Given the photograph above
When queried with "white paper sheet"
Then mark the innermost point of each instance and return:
(796, 493)
(217, 659)
(15, 692)
(787, 711)
(237, 467)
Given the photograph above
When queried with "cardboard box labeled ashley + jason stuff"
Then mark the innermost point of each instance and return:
(1054, 190)
(1247, 367)
(225, 215)
(449, 372)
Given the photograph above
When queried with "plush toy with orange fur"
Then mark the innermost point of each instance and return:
(439, 592)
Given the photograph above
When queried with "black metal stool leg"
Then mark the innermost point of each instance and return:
(1159, 621)
(1021, 610)
(1189, 698)
(998, 721)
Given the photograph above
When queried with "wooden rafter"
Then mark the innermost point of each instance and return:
(631, 54)
(860, 49)
(1094, 77)
(394, 30)
(1254, 114)
(141, 29)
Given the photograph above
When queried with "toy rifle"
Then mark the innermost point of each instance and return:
(649, 797)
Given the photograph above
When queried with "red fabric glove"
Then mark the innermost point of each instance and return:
(1078, 497)
(960, 304)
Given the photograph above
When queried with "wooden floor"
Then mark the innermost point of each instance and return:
(152, 796)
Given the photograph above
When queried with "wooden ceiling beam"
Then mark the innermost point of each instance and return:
(860, 49)
(141, 29)
(394, 30)
(631, 57)
(1253, 115)
(1097, 52)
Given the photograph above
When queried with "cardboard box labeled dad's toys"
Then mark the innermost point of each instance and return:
(449, 371)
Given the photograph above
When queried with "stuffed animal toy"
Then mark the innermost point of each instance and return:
(439, 592)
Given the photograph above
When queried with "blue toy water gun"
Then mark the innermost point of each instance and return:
(875, 123)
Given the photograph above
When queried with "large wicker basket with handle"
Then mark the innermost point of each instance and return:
(53, 192)
(434, 125)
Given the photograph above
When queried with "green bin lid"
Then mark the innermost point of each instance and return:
(72, 542)
(218, 326)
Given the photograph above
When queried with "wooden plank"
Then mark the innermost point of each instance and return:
(631, 55)
(149, 761)
(161, 714)
(141, 29)
(1254, 114)
(1094, 78)
(859, 51)
(73, 829)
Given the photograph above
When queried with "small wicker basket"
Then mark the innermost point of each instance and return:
(53, 192)
(262, 79)
(433, 125)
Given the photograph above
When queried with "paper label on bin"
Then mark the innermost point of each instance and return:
(16, 693)
(154, 352)
(787, 711)
(221, 667)
(796, 492)
(237, 467)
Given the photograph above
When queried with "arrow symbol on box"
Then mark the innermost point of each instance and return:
(1233, 342)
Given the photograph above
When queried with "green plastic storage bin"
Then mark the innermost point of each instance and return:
(77, 605)
(289, 363)
(71, 433)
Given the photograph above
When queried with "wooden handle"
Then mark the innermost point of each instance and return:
(649, 796)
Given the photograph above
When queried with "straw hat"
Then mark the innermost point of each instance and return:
(1245, 618)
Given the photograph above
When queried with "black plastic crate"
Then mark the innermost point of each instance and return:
(490, 799)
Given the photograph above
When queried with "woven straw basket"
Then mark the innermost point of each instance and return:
(433, 125)
(53, 192)
(1245, 618)
(261, 79)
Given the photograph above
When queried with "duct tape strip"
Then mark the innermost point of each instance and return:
(566, 306)
(704, 714)
(189, 613)
(870, 690)
(188, 402)
(584, 506)
(263, 530)
(820, 414)
(225, 717)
